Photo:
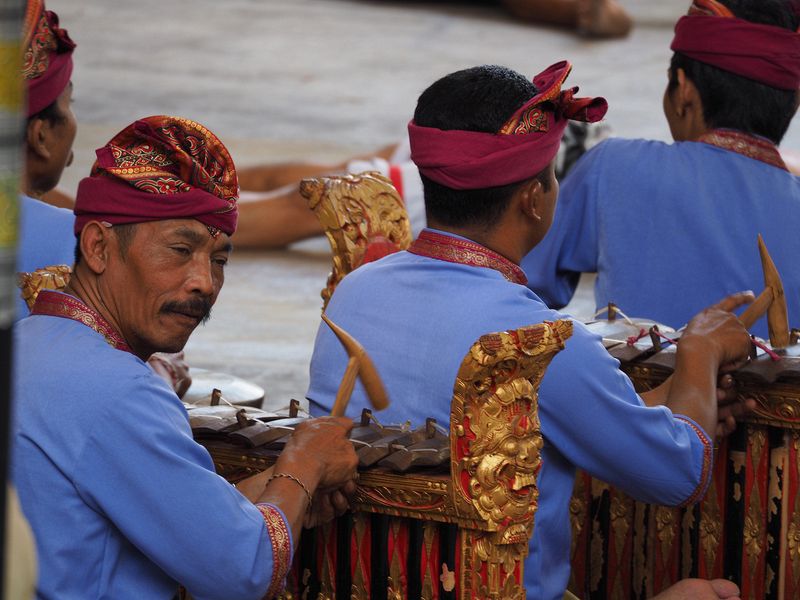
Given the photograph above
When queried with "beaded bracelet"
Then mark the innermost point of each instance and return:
(296, 480)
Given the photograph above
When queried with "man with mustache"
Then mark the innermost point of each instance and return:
(122, 501)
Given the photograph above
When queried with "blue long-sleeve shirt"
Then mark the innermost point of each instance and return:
(123, 503)
(669, 229)
(417, 317)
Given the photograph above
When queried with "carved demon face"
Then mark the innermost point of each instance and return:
(505, 459)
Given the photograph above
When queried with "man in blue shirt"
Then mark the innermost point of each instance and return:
(122, 502)
(670, 227)
(484, 140)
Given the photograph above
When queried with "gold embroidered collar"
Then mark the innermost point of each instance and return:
(464, 252)
(55, 304)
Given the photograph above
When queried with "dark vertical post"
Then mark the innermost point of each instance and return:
(11, 124)
(379, 564)
(343, 578)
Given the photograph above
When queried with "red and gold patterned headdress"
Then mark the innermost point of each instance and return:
(47, 57)
(161, 168)
(524, 146)
(711, 34)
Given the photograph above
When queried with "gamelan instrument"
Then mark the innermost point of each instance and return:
(439, 512)
(747, 526)
(237, 390)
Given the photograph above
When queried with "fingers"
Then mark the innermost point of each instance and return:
(339, 502)
(700, 589)
(726, 382)
(349, 488)
(726, 590)
(726, 390)
(738, 409)
(326, 507)
(730, 367)
(326, 422)
(725, 427)
(322, 447)
(734, 301)
(321, 511)
(717, 334)
(729, 414)
(348, 424)
(182, 386)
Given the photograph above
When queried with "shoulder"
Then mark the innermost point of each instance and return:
(46, 235)
(33, 208)
(612, 160)
(616, 149)
(500, 304)
(55, 353)
(371, 275)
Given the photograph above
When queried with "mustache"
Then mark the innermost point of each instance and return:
(196, 307)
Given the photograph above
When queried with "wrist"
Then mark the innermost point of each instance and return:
(295, 480)
(309, 471)
(698, 348)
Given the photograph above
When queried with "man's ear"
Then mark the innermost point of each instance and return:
(686, 96)
(37, 137)
(529, 198)
(95, 243)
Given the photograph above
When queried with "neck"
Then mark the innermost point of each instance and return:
(31, 183)
(85, 287)
(497, 238)
(31, 191)
(692, 132)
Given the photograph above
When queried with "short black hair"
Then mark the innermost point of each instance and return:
(476, 99)
(124, 234)
(735, 102)
(50, 113)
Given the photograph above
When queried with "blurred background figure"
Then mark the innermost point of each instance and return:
(19, 580)
(592, 18)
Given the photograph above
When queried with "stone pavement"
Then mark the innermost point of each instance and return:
(321, 80)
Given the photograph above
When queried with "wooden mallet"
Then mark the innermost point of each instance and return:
(771, 300)
(358, 365)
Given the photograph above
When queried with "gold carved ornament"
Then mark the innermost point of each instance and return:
(55, 277)
(363, 217)
(496, 443)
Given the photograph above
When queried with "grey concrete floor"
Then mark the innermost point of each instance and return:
(320, 80)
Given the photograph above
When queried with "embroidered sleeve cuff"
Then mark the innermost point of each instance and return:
(280, 536)
(708, 460)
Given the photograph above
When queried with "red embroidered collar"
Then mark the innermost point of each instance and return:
(745, 144)
(56, 304)
(464, 252)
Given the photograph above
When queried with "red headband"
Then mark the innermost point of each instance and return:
(524, 146)
(47, 60)
(763, 53)
(161, 168)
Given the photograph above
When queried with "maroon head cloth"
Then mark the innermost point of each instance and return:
(712, 35)
(161, 168)
(47, 57)
(524, 146)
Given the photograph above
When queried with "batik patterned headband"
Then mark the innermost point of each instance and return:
(161, 168)
(46, 58)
